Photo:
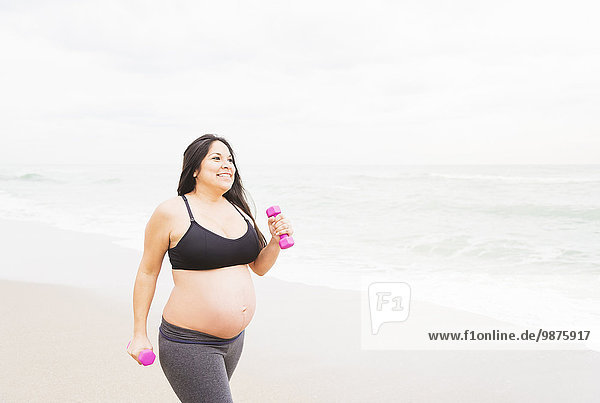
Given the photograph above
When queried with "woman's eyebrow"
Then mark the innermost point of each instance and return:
(220, 154)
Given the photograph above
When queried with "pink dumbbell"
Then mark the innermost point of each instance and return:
(146, 356)
(285, 241)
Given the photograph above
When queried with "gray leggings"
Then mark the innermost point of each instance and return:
(198, 365)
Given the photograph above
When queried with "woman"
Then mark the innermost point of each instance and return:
(210, 248)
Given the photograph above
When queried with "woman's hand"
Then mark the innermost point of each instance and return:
(279, 225)
(138, 343)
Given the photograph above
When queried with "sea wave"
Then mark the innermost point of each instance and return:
(516, 179)
(28, 177)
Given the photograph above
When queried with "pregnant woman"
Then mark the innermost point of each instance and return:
(210, 244)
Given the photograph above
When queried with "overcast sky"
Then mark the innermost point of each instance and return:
(369, 82)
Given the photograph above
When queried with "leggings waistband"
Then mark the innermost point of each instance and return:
(183, 335)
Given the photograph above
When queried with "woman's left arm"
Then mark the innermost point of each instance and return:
(268, 255)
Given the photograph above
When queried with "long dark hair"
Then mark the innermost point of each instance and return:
(192, 158)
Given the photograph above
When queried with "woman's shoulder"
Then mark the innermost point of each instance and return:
(164, 214)
(169, 206)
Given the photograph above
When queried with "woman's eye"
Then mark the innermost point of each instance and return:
(230, 160)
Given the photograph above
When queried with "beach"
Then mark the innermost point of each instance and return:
(67, 343)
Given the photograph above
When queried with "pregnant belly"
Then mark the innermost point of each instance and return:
(220, 302)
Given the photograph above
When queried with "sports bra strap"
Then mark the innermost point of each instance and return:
(188, 208)
(238, 210)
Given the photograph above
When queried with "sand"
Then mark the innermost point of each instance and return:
(66, 343)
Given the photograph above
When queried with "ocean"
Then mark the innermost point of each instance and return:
(513, 242)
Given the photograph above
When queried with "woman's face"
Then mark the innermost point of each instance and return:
(218, 161)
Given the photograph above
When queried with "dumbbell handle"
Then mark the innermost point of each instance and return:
(146, 356)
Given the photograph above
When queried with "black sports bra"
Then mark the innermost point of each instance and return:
(201, 249)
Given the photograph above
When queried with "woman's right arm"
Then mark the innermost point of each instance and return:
(156, 243)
